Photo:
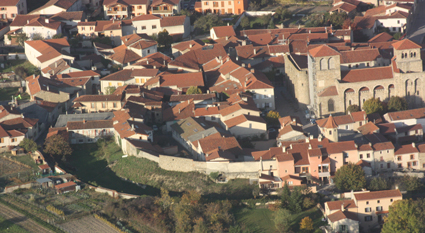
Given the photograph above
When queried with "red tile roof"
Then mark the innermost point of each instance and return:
(405, 149)
(224, 31)
(65, 185)
(229, 144)
(336, 205)
(48, 48)
(323, 51)
(182, 80)
(407, 114)
(96, 124)
(355, 56)
(206, 111)
(377, 195)
(145, 17)
(330, 123)
(243, 118)
(329, 91)
(172, 21)
(381, 37)
(124, 55)
(9, 2)
(346, 7)
(367, 74)
(364, 22)
(405, 44)
(339, 215)
(368, 128)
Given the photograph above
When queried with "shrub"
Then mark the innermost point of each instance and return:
(214, 175)
(54, 210)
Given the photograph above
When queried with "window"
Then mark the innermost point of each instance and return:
(250, 125)
(83, 28)
(368, 218)
(103, 105)
(388, 165)
(378, 201)
(2, 141)
(367, 203)
(139, 7)
(330, 132)
(92, 105)
(399, 165)
(368, 156)
(114, 104)
(382, 158)
(149, 51)
(91, 28)
(153, 26)
(143, 28)
(368, 209)
(230, 2)
(13, 139)
(398, 158)
(343, 228)
(414, 163)
(398, 21)
(412, 157)
(331, 105)
(379, 208)
(206, 3)
(346, 127)
(391, 200)
(222, 4)
(212, 118)
(361, 156)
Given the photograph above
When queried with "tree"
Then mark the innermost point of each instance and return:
(21, 38)
(308, 203)
(397, 104)
(353, 108)
(409, 183)
(57, 146)
(350, 177)
(103, 40)
(206, 22)
(378, 183)
(253, 6)
(164, 38)
(286, 195)
(110, 90)
(21, 71)
(295, 200)
(403, 217)
(58, 36)
(28, 144)
(272, 117)
(271, 23)
(245, 22)
(37, 36)
(200, 226)
(265, 19)
(193, 90)
(397, 36)
(373, 105)
(306, 224)
(282, 220)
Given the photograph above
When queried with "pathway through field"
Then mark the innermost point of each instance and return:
(87, 224)
(22, 220)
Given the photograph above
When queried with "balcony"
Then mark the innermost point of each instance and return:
(162, 12)
(116, 12)
(324, 174)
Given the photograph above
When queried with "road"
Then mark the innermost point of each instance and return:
(416, 29)
(22, 220)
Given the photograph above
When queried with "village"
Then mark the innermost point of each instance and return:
(275, 116)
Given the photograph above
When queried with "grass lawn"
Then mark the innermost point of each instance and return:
(31, 69)
(8, 226)
(27, 160)
(256, 220)
(261, 220)
(6, 93)
(92, 167)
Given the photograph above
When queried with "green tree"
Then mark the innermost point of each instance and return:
(206, 22)
(286, 195)
(21, 71)
(350, 177)
(164, 38)
(353, 108)
(57, 146)
(103, 40)
(200, 226)
(265, 19)
(282, 220)
(378, 183)
(403, 217)
(110, 90)
(271, 23)
(21, 38)
(397, 36)
(306, 224)
(193, 90)
(37, 36)
(245, 22)
(28, 144)
(308, 203)
(272, 117)
(253, 6)
(295, 200)
(373, 105)
(58, 36)
(397, 104)
(409, 183)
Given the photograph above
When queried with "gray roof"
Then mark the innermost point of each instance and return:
(43, 180)
(33, 110)
(64, 119)
(202, 134)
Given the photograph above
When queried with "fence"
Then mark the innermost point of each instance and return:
(10, 84)
(258, 13)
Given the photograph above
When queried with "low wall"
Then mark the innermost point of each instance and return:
(10, 84)
(258, 13)
(12, 56)
(12, 188)
(113, 193)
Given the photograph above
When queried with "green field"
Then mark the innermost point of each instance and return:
(11, 65)
(261, 220)
(27, 160)
(8, 226)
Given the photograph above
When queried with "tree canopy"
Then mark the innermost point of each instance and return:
(273, 117)
(378, 183)
(56, 145)
(373, 105)
(206, 22)
(245, 22)
(282, 220)
(350, 177)
(21, 38)
(193, 90)
(28, 144)
(306, 224)
(353, 108)
(397, 103)
(58, 36)
(164, 38)
(403, 217)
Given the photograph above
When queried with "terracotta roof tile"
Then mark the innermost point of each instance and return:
(368, 74)
(405, 149)
(243, 118)
(380, 10)
(330, 123)
(124, 55)
(368, 128)
(336, 205)
(229, 144)
(381, 37)
(383, 146)
(323, 51)
(339, 215)
(96, 98)
(377, 195)
(182, 80)
(145, 17)
(405, 44)
(172, 21)
(224, 31)
(329, 91)
(364, 22)
(96, 124)
(206, 111)
(65, 185)
(179, 98)
(355, 56)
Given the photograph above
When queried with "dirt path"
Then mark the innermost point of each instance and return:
(22, 220)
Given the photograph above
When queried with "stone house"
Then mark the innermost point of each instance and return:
(121, 9)
(53, 7)
(89, 131)
(98, 103)
(9, 9)
(165, 7)
(127, 77)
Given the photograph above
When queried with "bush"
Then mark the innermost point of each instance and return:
(308, 203)
(373, 105)
(353, 108)
(397, 104)
(378, 183)
(214, 175)
(55, 210)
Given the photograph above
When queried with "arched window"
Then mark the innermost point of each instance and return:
(331, 63)
(402, 55)
(411, 54)
(323, 65)
(331, 105)
(414, 54)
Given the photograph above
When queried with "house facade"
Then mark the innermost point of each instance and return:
(11, 8)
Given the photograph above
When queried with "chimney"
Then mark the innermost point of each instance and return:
(342, 207)
(243, 42)
(84, 121)
(33, 76)
(47, 87)
(227, 38)
(47, 21)
(154, 67)
(243, 65)
(253, 70)
(132, 127)
(113, 21)
(309, 31)
(311, 137)
(228, 24)
(237, 58)
(86, 20)
(413, 145)
(307, 140)
(28, 21)
(284, 149)
(249, 65)
(147, 61)
(179, 110)
(190, 45)
(255, 51)
(309, 146)
(56, 64)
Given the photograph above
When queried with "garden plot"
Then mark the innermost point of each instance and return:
(87, 225)
(9, 167)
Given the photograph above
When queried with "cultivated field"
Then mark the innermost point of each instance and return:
(87, 225)
(21, 220)
(10, 167)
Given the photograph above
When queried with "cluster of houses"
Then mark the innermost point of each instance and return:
(209, 96)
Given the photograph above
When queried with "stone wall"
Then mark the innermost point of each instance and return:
(28, 185)
(10, 84)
